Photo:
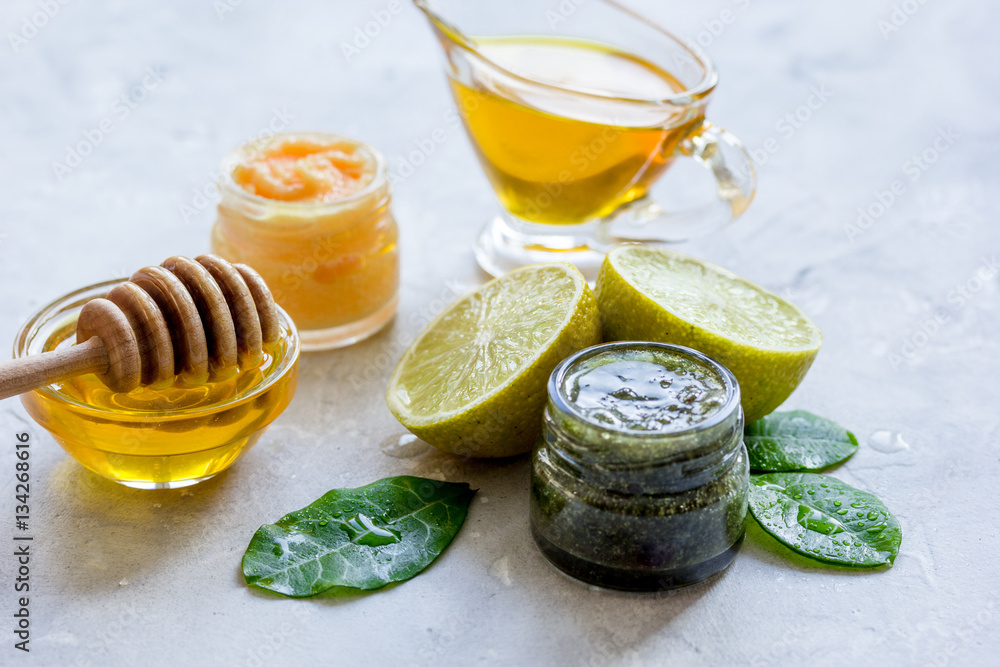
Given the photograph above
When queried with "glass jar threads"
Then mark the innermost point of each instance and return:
(310, 212)
(640, 481)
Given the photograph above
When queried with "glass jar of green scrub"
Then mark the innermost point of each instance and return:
(640, 480)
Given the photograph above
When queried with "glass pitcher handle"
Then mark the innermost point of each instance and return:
(720, 152)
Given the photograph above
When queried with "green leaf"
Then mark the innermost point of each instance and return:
(360, 538)
(797, 440)
(825, 519)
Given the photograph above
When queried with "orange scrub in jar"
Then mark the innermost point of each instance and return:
(310, 212)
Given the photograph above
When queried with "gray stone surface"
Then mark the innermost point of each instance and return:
(123, 577)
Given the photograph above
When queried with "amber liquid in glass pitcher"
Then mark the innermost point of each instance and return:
(564, 160)
(574, 121)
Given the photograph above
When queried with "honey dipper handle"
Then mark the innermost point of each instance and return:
(20, 375)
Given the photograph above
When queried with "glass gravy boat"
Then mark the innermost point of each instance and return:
(575, 110)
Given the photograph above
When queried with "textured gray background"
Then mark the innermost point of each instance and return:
(122, 577)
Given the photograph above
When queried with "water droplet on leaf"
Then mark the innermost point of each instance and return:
(362, 529)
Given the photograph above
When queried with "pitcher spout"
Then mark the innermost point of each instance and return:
(447, 32)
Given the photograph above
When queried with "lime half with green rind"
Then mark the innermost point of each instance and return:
(473, 382)
(654, 294)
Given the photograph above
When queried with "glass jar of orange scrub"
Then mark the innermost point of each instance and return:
(310, 212)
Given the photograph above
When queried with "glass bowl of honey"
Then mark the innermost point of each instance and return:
(156, 437)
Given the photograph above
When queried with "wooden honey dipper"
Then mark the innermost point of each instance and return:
(184, 316)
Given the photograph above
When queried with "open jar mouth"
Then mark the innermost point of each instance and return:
(378, 182)
(673, 458)
(560, 401)
(61, 313)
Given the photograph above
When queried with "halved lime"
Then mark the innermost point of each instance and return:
(649, 293)
(474, 380)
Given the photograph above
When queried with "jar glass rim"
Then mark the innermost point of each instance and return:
(379, 181)
(561, 402)
(61, 305)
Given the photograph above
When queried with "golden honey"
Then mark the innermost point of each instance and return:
(310, 213)
(565, 154)
(156, 437)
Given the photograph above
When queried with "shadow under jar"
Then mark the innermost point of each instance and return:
(641, 479)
